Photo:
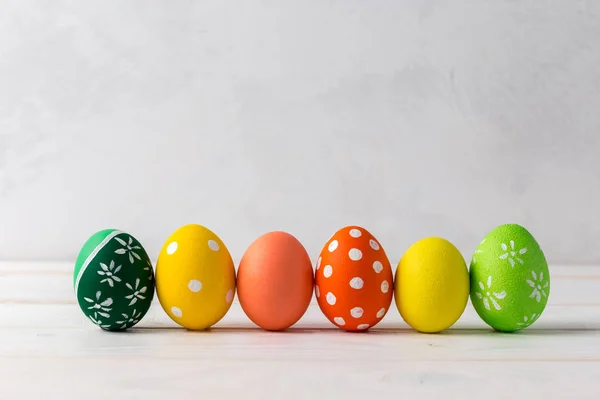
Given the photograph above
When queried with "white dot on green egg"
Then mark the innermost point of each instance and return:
(374, 245)
(362, 327)
(330, 298)
(176, 312)
(332, 246)
(340, 321)
(172, 248)
(377, 266)
(214, 246)
(385, 286)
(195, 285)
(356, 312)
(229, 296)
(355, 233)
(355, 254)
(327, 271)
(380, 313)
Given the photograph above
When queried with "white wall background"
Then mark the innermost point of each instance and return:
(409, 117)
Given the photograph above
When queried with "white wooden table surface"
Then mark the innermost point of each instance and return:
(48, 349)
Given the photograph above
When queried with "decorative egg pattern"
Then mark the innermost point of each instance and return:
(195, 277)
(354, 281)
(510, 281)
(113, 280)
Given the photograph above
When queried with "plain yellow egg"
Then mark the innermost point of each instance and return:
(195, 277)
(431, 285)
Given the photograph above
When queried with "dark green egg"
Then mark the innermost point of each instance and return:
(113, 280)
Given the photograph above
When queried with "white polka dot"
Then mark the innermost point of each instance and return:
(229, 296)
(362, 327)
(355, 254)
(374, 244)
(356, 283)
(214, 246)
(318, 263)
(195, 285)
(340, 321)
(176, 312)
(385, 286)
(380, 313)
(355, 233)
(331, 298)
(317, 291)
(327, 271)
(377, 266)
(332, 246)
(356, 312)
(172, 248)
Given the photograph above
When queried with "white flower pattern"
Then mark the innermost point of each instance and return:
(132, 320)
(128, 249)
(511, 254)
(99, 322)
(149, 269)
(100, 307)
(538, 286)
(486, 296)
(110, 273)
(527, 321)
(137, 292)
(477, 251)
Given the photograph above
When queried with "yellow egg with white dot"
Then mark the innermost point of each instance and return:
(195, 277)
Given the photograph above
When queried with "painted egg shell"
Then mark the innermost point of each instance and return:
(195, 277)
(275, 281)
(510, 281)
(431, 287)
(353, 280)
(114, 280)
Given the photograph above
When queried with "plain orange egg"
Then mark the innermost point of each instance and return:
(275, 281)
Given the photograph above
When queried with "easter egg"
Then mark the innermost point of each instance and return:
(114, 280)
(195, 277)
(431, 285)
(353, 280)
(510, 281)
(275, 281)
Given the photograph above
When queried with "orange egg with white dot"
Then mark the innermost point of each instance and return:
(353, 280)
(195, 277)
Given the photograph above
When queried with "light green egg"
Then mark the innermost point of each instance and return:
(510, 281)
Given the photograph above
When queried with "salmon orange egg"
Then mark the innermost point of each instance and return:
(275, 281)
(354, 280)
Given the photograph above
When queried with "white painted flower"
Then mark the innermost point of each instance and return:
(99, 322)
(110, 272)
(128, 249)
(131, 320)
(149, 269)
(477, 251)
(137, 292)
(538, 286)
(487, 296)
(511, 254)
(529, 320)
(100, 307)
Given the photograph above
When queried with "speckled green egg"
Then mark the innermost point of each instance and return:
(114, 280)
(510, 281)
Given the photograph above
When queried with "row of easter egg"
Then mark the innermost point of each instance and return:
(195, 280)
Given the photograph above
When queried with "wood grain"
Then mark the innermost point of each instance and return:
(44, 335)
